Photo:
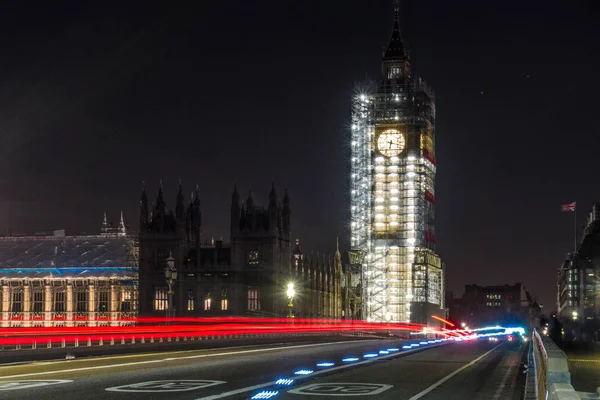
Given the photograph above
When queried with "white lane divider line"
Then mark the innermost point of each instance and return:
(458, 371)
(16, 385)
(512, 364)
(324, 371)
(175, 358)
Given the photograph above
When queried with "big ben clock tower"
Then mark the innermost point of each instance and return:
(393, 192)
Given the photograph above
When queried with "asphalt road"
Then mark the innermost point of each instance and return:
(462, 370)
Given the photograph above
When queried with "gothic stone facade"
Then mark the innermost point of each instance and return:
(247, 276)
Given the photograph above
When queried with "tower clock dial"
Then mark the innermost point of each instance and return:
(390, 143)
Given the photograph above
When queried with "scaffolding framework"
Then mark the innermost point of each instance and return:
(393, 201)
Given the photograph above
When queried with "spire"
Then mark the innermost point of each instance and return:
(197, 196)
(272, 196)
(338, 255)
(104, 227)
(249, 201)
(395, 49)
(235, 197)
(297, 250)
(121, 231)
(286, 198)
(180, 207)
(160, 203)
(144, 198)
(143, 208)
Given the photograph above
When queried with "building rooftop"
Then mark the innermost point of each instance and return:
(68, 256)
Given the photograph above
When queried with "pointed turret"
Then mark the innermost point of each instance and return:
(197, 216)
(338, 255)
(180, 207)
(104, 227)
(121, 230)
(272, 197)
(286, 216)
(235, 212)
(249, 202)
(297, 250)
(396, 60)
(160, 202)
(143, 209)
(273, 212)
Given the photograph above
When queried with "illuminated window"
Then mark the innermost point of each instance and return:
(253, 300)
(17, 301)
(224, 301)
(103, 301)
(81, 300)
(393, 72)
(191, 300)
(207, 303)
(38, 301)
(126, 305)
(161, 299)
(59, 301)
(253, 257)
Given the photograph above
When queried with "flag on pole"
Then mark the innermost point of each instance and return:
(568, 207)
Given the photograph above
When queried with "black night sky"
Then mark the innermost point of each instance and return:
(97, 96)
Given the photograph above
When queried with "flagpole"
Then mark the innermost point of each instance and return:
(575, 226)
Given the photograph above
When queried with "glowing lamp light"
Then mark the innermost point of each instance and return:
(410, 174)
(350, 359)
(304, 372)
(265, 394)
(284, 382)
(363, 97)
(325, 364)
(370, 355)
(291, 292)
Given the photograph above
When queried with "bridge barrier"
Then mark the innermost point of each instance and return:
(550, 376)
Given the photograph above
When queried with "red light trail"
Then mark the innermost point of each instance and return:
(156, 329)
(442, 320)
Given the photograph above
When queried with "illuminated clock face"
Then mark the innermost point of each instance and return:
(390, 143)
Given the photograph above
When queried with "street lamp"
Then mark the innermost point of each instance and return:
(291, 292)
(171, 276)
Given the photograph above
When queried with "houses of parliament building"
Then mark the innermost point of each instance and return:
(108, 279)
(247, 276)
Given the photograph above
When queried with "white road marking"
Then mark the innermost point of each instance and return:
(324, 371)
(176, 358)
(498, 393)
(164, 386)
(343, 389)
(444, 379)
(16, 385)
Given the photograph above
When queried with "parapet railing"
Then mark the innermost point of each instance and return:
(551, 379)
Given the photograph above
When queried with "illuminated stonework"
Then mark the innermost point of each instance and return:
(393, 193)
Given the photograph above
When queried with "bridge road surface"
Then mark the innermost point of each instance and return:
(457, 370)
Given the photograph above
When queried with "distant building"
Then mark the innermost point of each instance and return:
(493, 305)
(246, 276)
(578, 301)
(50, 279)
